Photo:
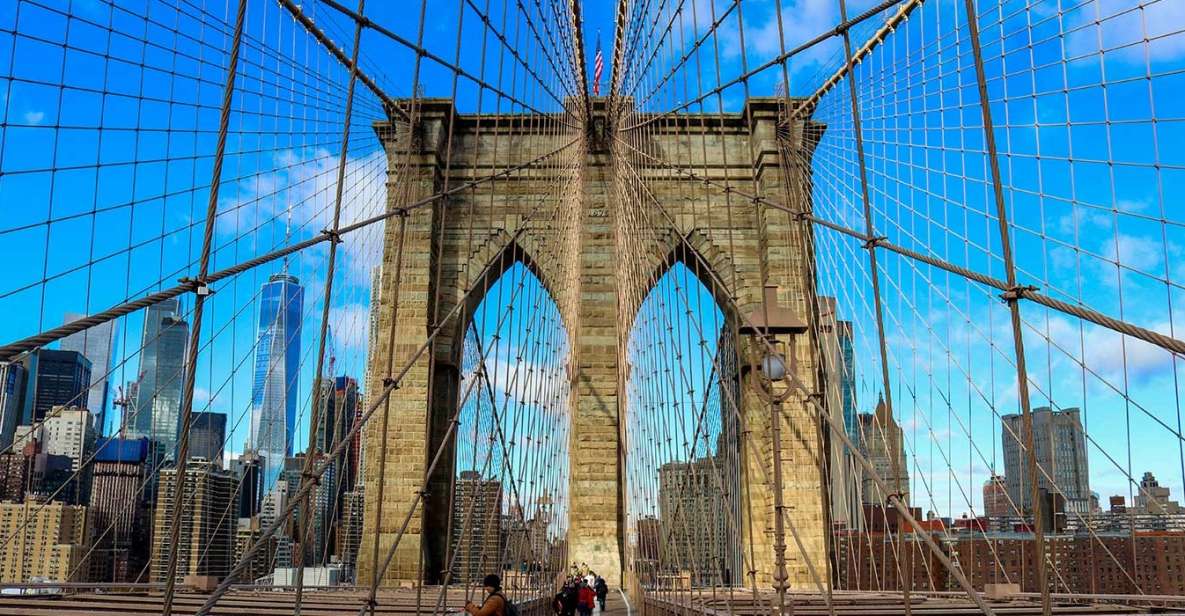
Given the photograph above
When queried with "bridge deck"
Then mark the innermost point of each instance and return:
(742, 603)
(403, 601)
(238, 602)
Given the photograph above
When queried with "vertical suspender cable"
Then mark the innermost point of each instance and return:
(874, 273)
(1012, 296)
(318, 402)
(200, 292)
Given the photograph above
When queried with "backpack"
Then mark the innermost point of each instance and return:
(509, 609)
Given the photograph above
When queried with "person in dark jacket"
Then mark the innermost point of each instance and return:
(602, 590)
(571, 598)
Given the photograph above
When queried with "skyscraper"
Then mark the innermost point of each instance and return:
(322, 505)
(158, 390)
(476, 538)
(1153, 498)
(67, 433)
(277, 365)
(880, 440)
(337, 417)
(694, 508)
(340, 398)
(206, 540)
(248, 469)
(60, 378)
(1060, 446)
(839, 383)
(349, 530)
(207, 435)
(847, 381)
(119, 509)
(14, 390)
(95, 344)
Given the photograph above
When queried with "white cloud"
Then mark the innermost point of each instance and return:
(1140, 253)
(1083, 220)
(802, 20)
(1108, 352)
(34, 117)
(525, 381)
(301, 187)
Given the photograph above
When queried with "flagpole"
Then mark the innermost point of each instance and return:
(598, 67)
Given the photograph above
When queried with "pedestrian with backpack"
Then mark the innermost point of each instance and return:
(495, 603)
(602, 591)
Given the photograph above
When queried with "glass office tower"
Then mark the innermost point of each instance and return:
(277, 364)
(157, 409)
(95, 343)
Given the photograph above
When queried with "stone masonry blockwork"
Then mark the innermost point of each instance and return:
(448, 242)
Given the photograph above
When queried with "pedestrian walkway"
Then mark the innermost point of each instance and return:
(615, 605)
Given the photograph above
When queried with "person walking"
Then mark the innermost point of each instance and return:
(557, 604)
(495, 603)
(587, 599)
(602, 591)
(571, 597)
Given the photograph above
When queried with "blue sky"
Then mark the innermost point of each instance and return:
(105, 166)
(520, 398)
(671, 412)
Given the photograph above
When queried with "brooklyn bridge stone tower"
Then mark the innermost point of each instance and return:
(440, 259)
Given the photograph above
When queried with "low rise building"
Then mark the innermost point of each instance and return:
(49, 541)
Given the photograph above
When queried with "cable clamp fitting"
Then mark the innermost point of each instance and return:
(898, 496)
(198, 287)
(334, 235)
(391, 382)
(873, 242)
(312, 477)
(1016, 293)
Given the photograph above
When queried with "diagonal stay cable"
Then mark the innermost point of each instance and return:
(390, 384)
(201, 291)
(682, 239)
(856, 56)
(454, 420)
(795, 381)
(421, 51)
(11, 350)
(330, 269)
(775, 61)
(351, 64)
(1163, 341)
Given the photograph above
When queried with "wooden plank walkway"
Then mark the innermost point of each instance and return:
(402, 602)
(242, 603)
(868, 604)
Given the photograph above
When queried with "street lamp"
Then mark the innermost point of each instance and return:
(768, 362)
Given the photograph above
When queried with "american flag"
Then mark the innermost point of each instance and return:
(598, 68)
